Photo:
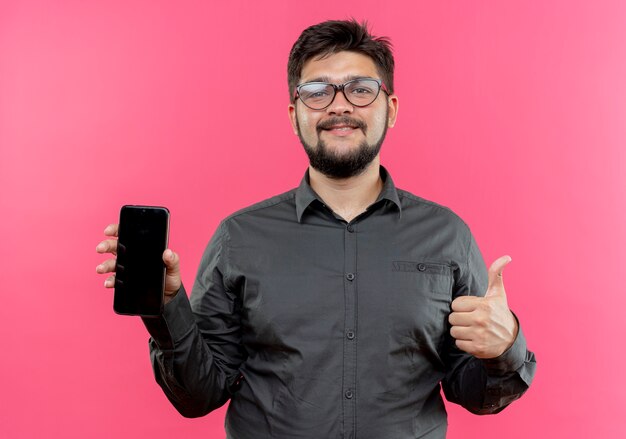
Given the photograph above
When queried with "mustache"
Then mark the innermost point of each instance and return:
(340, 120)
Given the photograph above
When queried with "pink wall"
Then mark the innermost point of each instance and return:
(512, 113)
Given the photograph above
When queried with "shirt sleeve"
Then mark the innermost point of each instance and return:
(195, 345)
(484, 386)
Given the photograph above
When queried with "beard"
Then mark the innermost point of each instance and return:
(341, 165)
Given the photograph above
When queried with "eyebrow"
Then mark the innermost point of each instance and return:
(328, 79)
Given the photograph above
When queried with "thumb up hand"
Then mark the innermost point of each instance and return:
(495, 288)
(484, 326)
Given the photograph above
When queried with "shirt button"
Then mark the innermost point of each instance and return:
(350, 228)
(350, 276)
(350, 335)
(349, 394)
(421, 267)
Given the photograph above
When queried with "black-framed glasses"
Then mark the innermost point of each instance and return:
(360, 92)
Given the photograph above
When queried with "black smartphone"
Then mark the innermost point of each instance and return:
(140, 271)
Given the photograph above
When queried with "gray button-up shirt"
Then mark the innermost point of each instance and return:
(318, 328)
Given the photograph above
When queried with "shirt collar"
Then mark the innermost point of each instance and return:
(305, 195)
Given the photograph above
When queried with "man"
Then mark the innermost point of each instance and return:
(338, 308)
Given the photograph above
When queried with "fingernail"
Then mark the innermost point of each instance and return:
(98, 268)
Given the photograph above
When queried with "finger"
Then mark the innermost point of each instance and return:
(495, 274)
(172, 262)
(107, 246)
(469, 347)
(107, 266)
(111, 230)
(466, 303)
(461, 318)
(109, 282)
(461, 333)
(172, 278)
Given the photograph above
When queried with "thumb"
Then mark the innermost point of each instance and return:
(171, 261)
(496, 284)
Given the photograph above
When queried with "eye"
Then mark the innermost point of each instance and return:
(316, 94)
(314, 91)
(362, 88)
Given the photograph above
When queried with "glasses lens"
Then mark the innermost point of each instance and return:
(316, 95)
(361, 92)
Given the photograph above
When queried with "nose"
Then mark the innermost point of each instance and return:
(339, 105)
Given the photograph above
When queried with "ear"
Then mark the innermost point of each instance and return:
(292, 118)
(392, 102)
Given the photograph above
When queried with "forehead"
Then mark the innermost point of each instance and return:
(338, 67)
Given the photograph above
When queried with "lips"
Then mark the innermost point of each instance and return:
(343, 124)
(341, 127)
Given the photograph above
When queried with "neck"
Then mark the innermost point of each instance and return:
(348, 197)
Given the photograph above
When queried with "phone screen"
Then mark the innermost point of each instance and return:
(140, 271)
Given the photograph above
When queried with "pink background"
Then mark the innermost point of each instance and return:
(511, 113)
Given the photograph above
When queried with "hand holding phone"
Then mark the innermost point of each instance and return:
(168, 257)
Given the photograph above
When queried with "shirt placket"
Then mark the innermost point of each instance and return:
(350, 331)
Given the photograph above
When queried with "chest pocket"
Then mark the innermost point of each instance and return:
(429, 277)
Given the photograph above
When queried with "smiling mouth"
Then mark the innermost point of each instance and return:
(341, 125)
(340, 128)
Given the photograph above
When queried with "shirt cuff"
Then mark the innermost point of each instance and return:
(175, 322)
(511, 359)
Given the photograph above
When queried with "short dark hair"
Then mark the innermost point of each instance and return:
(329, 37)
